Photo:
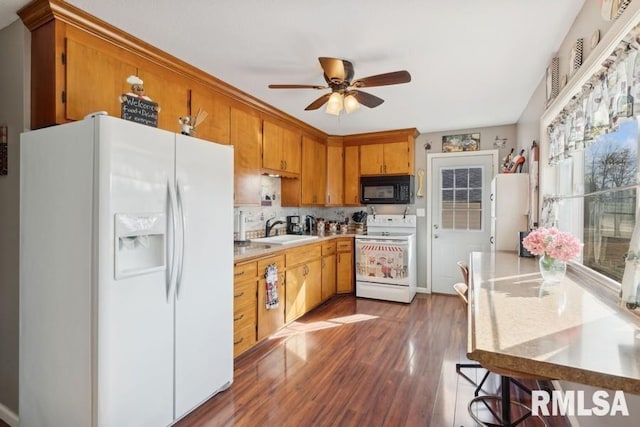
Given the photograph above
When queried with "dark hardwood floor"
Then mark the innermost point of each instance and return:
(354, 362)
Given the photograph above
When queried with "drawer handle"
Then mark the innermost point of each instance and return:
(238, 318)
(239, 274)
(238, 295)
(238, 342)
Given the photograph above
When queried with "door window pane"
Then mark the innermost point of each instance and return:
(461, 198)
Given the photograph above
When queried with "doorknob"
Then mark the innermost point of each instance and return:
(435, 236)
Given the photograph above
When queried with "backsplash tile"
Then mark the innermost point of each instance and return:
(257, 216)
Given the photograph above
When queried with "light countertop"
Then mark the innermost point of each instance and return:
(257, 250)
(562, 331)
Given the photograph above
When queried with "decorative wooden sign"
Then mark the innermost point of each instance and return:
(139, 110)
(136, 106)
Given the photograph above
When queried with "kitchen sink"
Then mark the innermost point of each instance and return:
(284, 239)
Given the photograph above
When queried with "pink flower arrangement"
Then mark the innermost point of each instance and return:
(552, 243)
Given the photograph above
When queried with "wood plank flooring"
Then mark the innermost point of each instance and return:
(353, 362)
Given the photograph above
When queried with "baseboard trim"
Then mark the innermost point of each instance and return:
(8, 416)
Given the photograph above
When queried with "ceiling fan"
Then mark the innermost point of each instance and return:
(338, 73)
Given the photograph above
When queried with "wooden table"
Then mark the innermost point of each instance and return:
(562, 331)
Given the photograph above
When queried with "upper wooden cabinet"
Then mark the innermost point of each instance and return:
(385, 153)
(95, 77)
(216, 125)
(391, 158)
(314, 169)
(280, 148)
(246, 137)
(335, 174)
(352, 175)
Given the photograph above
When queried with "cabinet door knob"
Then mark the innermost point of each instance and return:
(435, 236)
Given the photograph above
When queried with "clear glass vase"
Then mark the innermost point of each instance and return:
(552, 270)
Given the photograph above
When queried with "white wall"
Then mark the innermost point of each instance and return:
(14, 105)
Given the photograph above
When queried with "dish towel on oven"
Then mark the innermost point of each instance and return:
(271, 282)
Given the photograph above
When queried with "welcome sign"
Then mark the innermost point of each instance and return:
(139, 110)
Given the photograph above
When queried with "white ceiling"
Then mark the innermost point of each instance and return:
(473, 63)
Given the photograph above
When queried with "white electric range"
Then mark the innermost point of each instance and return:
(386, 258)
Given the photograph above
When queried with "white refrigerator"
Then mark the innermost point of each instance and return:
(126, 285)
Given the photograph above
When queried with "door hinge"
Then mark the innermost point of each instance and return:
(64, 96)
(63, 58)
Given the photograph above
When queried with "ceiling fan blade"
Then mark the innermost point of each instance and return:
(318, 102)
(393, 78)
(366, 99)
(338, 69)
(297, 87)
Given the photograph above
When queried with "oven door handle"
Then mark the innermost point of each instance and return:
(382, 241)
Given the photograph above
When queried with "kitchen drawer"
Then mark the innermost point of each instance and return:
(302, 254)
(345, 245)
(245, 271)
(245, 294)
(243, 339)
(263, 263)
(329, 248)
(243, 316)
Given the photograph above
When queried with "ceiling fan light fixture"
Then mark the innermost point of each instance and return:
(351, 103)
(334, 105)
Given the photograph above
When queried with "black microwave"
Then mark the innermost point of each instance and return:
(388, 189)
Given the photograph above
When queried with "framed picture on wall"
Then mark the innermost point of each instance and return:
(462, 142)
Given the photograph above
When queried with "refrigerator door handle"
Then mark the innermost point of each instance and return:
(173, 209)
(183, 228)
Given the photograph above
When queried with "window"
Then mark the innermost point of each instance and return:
(461, 198)
(609, 205)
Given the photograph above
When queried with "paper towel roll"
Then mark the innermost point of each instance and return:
(242, 233)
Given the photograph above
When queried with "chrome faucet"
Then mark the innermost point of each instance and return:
(269, 226)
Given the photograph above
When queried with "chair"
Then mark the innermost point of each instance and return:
(462, 289)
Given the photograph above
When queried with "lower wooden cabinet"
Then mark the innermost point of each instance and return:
(344, 266)
(270, 319)
(328, 270)
(244, 307)
(307, 276)
(303, 288)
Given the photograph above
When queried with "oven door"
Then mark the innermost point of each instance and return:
(383, 261)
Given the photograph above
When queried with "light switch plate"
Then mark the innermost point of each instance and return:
(420, 212)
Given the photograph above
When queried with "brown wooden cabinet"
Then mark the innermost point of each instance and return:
(390, 158)
(244, 307)
(270, 320)
(344, 266)
(95, 76)
(216, 126)
(309, 189)
(281, 150)
(246, 137)
(335, 174)
(352, 175)
(303, 280)
(314, 167)
(328, 270)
